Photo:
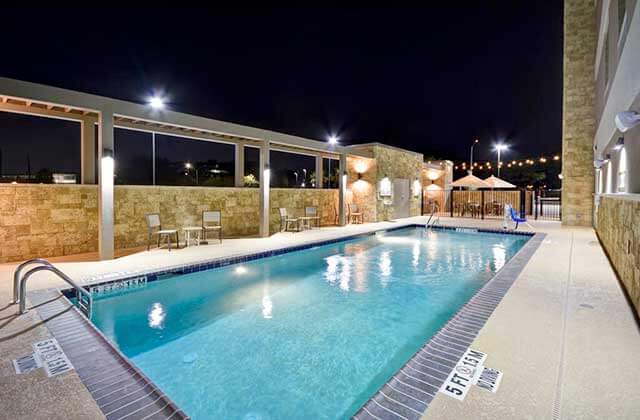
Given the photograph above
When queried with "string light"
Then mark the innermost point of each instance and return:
(514, 163)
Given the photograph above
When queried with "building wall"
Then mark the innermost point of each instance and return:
(619, 231)
(180, 207)
(397, 163)
(578, 114)
(362, 191)
(47, 220)
(296, 199)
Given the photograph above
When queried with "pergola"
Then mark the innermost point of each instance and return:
(107, 113)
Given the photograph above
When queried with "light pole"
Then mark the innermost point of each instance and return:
(471, 156)
(188, 166)
(499, 148)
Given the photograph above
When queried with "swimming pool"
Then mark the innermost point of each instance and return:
(309, 334)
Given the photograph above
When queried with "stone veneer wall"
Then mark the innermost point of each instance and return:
(578, 113)
(398, 163)
(296, 199)
(180, 207)
(619, 231)
(362, 191)
(47, 220)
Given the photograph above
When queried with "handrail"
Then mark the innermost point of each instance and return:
(82, 293)
(16, 275)
(433, 211)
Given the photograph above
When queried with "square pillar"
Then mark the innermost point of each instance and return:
(319, 174)
(87, 152)
(265, 175)
(239, 165)
(105, 185)
(342, 194)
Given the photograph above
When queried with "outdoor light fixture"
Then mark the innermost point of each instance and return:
(156, 102)
(333, 139)
(267, 174)
(476, 141)
(619, 144)
(417, 187)
(385, 187)
(187, 165)
(626, 120)
(499, 148)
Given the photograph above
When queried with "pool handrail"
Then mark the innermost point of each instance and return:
(85, 300)
(18, 271)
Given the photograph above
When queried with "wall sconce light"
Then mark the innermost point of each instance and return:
(417, 187)
(359, 176)
(384, 189)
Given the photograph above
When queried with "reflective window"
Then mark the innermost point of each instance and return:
(251, 167)
(330, 173)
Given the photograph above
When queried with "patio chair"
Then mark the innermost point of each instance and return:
(518, 219)
(286, 221)
(211, 222)
(155, 228)
(312, 215)
(355, 216)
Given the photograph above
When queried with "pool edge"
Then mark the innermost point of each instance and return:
(408, 393)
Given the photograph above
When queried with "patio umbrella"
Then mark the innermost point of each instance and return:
(470, 181)
(495, 182)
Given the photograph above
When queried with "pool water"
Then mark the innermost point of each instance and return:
(308, 334)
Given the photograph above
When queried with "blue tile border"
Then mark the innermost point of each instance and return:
(408, 393)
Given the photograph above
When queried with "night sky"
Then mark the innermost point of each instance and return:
(426, 79)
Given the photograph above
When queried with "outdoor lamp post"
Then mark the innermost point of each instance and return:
(189, 166)
(471, 156)
(499, 148)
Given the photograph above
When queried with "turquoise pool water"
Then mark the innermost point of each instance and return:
(309, 334)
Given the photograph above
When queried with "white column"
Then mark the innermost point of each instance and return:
(342, 194)
(319, 174)
(239, 165)
(87, 152)
(265, 175)
(105, 185)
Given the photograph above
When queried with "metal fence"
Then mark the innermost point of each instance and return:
(548, 206)
(483, 204)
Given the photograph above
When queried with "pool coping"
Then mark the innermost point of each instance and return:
(61, 317)
(408, 393)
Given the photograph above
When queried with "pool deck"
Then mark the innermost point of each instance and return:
(564, 334)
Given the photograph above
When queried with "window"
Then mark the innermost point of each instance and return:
(133, 157)
(291, 170)
(251, 166)
(33, 148)
(184, 161)
(330, 173)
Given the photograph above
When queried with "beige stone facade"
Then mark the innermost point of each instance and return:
(619, 232)
(296, 199)
(578, 113)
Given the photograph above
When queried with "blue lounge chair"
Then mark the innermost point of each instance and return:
(518, 219)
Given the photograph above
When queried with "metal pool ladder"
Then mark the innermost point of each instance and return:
(85, 300)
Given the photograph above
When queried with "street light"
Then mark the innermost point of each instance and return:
(476, 141)
(499, 148)
(188, 166)
(156, 102)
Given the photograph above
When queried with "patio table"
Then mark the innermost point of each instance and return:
(197, 235)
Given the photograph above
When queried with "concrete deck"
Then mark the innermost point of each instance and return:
(564, 335)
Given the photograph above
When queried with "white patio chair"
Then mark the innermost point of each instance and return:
(286, 221)
(212, 222)
(155, 228)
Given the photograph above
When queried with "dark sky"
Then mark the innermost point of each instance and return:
(427, 79)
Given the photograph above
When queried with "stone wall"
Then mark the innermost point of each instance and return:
(296, 199)
(47, 220)
(180, 207)
(361, 190)
(578, 113)
(619, 231)
(397, 163)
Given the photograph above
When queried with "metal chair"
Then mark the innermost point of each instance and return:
(155, 227)
(286, 221)
(212, 221)
(311, 213)
(355, 216)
